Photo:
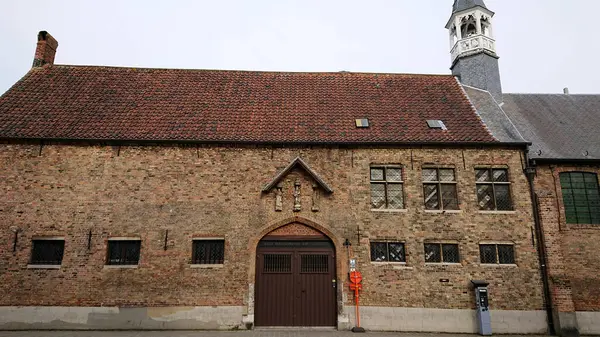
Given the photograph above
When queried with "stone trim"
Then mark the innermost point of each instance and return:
(49, 238)
(120, 266)
(125, 238)
(498, 212)
(304, 165)
(206, 266)
(117, 318)
(43, 266)
(447, 320)
(403, 210)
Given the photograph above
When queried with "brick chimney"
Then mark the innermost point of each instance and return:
(46, 49)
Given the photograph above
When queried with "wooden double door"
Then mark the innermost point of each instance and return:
(295, 283)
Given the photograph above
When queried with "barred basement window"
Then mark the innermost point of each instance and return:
(439, 189)
(386, 188)
(123, 252)
(497, 254)
(441, 252)
(47, 251)
(580, 197)
(493, 189)
(388, 252)
(208, 252)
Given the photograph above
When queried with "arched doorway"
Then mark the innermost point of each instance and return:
(295, 278)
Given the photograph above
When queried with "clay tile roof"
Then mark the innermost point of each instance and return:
(112, 103)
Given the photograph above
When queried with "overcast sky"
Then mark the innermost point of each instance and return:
(544, 45)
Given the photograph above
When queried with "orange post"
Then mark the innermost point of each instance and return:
(355, 279)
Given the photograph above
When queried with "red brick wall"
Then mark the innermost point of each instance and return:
(216, 192)
(573, 259)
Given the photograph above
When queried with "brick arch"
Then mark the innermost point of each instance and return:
(340, 255)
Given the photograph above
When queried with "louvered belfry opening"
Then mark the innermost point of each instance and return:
(295, 282)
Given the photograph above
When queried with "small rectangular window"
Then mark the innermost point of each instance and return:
(441, 252)
(386, 187)
(47, 251)
(388, 252)
(208, 252)
(497, 253)
(123, 252)
(439, 189)
(493, 189)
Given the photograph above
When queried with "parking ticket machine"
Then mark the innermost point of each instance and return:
(482, 306)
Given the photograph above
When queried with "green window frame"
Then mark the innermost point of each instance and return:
(581, 197)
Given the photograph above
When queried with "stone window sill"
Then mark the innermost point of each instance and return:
(497, 212)
(43, 266)
(121, 266)
(498, 265)
(206, 266)
(395, 265)
(389, 210)
(442, 264)
(449, 211)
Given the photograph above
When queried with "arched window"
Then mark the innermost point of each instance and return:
(485, 27)
(468, 26)
(581, 197)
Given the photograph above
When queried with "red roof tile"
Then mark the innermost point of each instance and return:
(110, 103)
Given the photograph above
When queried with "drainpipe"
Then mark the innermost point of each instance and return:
(530, 172)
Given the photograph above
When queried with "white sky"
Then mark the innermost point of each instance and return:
(544, 45)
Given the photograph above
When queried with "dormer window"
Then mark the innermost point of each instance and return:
(436, 124)
(362, 123)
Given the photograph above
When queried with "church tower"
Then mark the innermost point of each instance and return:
(473, 48)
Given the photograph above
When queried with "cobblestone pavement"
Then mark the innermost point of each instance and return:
(253, 333)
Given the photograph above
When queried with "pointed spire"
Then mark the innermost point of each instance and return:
(461, 5)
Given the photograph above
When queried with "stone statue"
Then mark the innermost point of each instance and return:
(297, 206)
(315, 198)
(279, 199)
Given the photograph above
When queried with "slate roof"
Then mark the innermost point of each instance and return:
(559, 126)
(493, 116)
(461, 5)
(113, 103)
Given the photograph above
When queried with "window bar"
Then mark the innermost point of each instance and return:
(166, 238)
(497, 256)
(15, 240)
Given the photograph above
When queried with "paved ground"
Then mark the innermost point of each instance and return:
(254, 333)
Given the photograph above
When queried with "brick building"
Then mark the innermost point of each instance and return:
(199, 199)
(563, 167)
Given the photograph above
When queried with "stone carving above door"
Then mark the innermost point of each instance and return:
(293, 191)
